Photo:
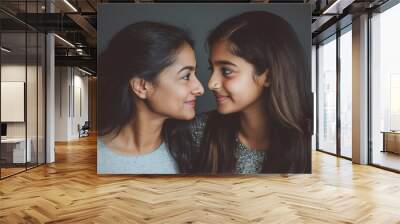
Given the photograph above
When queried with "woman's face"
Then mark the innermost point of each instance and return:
(176, 87)
(233, 80)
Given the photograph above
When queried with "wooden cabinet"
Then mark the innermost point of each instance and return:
(391, 142)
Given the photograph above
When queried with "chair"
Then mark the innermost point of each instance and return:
(84, 130)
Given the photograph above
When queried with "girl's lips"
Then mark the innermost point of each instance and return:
(220, 98)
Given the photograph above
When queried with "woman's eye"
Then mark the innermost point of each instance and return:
(210, 68)
(225, 71)
(186, 77)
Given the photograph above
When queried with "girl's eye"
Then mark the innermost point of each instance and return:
(186, 77)
(211, 69)
(226, 71)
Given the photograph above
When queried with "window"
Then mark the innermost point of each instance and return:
(385, 88)
(327, 95)
(346, 93)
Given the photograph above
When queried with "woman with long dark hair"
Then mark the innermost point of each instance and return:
(147, 93)
(259, 78)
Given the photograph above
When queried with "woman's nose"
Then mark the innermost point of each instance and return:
(198, 89)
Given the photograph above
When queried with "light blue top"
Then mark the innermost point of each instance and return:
(160, 161)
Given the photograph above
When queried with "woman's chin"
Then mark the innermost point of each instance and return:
(186, 116)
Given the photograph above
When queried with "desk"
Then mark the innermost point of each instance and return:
(391, 141)
(18, 149)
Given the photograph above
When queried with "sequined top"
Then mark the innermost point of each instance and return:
(248, 161)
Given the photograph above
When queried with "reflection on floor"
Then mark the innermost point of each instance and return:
(386, 159)
(10, 169)
(346, 152)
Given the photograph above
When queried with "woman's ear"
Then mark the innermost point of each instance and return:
(267, 81)
(140, 87)
(264, 79)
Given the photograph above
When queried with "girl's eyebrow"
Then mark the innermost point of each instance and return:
(223, 62)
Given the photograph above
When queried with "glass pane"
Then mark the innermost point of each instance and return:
(31, 97)
(41, 98)
(385, 86)
(313, 89)
(327, 96)
(13, 86)
(346, 94)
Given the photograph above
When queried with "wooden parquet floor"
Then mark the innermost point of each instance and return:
(70, 191)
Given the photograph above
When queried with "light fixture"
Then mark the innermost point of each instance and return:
(64, 40)
(329, 9)
(84, 71)
(5, 50)
(337, 7)
(70, 5)
(79, 51)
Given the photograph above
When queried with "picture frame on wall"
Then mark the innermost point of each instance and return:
(204, 89)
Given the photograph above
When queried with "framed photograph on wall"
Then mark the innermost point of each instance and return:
(12, 101)
(204, 88)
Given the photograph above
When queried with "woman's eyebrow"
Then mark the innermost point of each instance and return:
(191, 68)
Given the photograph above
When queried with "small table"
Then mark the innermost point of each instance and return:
(18, 150)
(391, 141)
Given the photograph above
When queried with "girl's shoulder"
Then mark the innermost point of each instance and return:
(200, 120)
(199, 124)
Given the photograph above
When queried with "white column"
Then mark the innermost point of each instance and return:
(50, 93)
(360, 90)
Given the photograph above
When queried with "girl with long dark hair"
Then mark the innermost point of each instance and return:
(147, 94)
(259, 78)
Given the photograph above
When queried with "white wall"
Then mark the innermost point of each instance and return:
(61, 103)
(71, 94)
(16, 73)
(33, 127)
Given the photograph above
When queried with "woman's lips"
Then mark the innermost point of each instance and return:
(191, 103)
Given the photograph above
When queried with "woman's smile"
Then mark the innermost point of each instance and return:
(191, 103)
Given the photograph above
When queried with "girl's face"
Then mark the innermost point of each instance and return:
(176, 87)
(233, 80)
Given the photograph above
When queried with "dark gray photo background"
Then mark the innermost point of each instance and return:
(199, 19)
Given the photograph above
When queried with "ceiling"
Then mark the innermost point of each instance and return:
(76, 22)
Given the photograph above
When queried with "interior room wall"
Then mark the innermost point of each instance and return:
(16, 72)
(61, 103)
(30, 76)
(80, 109)
(71, 87)
(92, 98)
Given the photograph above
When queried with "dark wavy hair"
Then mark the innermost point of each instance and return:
(266, 41)
(142, 50)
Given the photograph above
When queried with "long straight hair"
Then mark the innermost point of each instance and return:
(142, 50)
(266, 41)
